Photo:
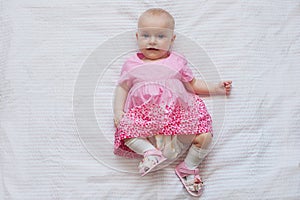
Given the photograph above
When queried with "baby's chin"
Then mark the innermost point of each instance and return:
(152, 56)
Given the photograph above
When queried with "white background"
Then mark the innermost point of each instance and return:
(44, 45)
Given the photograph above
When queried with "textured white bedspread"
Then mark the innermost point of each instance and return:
(59, 63)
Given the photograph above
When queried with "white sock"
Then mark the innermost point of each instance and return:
(139, 145)
(194, 157)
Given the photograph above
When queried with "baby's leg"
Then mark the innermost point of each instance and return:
(195, 156)
(203, 140)
(198, 150)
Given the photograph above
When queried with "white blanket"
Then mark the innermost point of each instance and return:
(60, 61)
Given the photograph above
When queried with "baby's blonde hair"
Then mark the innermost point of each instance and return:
(158, 12)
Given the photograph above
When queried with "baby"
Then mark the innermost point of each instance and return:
(157, 98)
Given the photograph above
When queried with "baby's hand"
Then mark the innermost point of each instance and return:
(224, 87)
(117, 118)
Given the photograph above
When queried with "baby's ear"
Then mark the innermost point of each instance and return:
(173, 38)
(136, 35)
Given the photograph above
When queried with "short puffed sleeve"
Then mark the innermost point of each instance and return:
(185, 71)
(126, 79)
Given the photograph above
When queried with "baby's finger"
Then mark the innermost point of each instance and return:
(227, 82)
(228, 91)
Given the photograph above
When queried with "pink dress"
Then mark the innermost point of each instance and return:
(158, 101)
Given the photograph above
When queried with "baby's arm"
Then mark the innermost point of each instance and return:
(201, 87)
(119, 102)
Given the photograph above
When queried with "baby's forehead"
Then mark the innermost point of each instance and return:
(156, 20)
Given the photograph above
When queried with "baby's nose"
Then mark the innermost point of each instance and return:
(152, 39)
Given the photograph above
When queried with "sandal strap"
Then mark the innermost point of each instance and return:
(184, 171)
(189, 171)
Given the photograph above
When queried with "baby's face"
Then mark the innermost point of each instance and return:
(155, 37)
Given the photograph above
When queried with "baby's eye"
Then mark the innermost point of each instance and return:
(161, 36)
(145, 35)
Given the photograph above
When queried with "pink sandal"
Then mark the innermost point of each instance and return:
(193, 187)
(147, 165)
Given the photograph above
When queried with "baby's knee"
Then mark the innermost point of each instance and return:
(202, 140)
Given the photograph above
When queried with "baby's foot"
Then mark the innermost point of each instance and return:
(193, 184)
(152, 158)
(190, 179)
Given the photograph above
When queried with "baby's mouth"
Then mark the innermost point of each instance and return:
(152, 49)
